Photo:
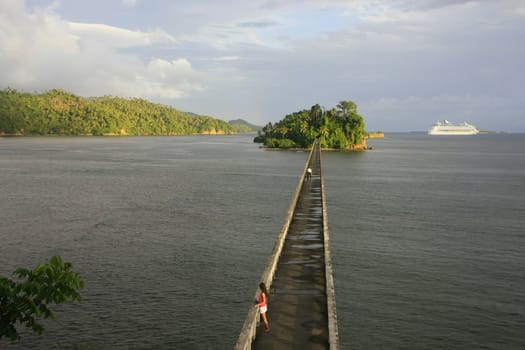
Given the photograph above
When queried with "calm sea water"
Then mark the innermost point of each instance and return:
(428, 239)
(172, 234)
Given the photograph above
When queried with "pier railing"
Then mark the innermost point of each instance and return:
(333, 330)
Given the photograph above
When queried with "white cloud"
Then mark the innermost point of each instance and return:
(227, 58)
(118, 37)
(129, 3)
(40, 51)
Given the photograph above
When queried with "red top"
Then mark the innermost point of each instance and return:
(261, 300)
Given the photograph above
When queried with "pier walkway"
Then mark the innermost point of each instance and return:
(301, 304)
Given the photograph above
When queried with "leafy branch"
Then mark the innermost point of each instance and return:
(26, 301)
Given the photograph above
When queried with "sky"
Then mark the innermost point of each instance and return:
(405, 63)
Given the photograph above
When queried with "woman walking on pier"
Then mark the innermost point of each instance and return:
(263, 307)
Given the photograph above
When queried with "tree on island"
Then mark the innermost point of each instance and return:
(23, 302)
(340, 128)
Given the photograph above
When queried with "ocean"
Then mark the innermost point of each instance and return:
(171, 235)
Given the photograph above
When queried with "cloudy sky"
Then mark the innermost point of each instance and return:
(406, 63)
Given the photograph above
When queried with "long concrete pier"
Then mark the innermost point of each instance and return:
(301, 304)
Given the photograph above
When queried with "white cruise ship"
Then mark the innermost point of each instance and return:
(447, 128)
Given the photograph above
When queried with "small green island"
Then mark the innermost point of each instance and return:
(339, 128)
(58, 112)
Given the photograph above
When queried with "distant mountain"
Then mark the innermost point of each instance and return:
(239, 125)
(250, 127)
(192, 114)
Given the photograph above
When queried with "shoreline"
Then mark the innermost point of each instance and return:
(120, 135)
(355, 148)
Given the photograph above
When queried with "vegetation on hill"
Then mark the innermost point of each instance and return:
(338, 128)
(58, 112)
(244, 125)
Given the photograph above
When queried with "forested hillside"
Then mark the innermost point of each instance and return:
(249, 127)
(58, 112)
(339, 128)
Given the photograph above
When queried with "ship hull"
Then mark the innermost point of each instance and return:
(447, 128)
(453, 132)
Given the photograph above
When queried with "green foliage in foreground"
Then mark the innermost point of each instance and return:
(340, 128)
(24, 301)
(58, 112)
